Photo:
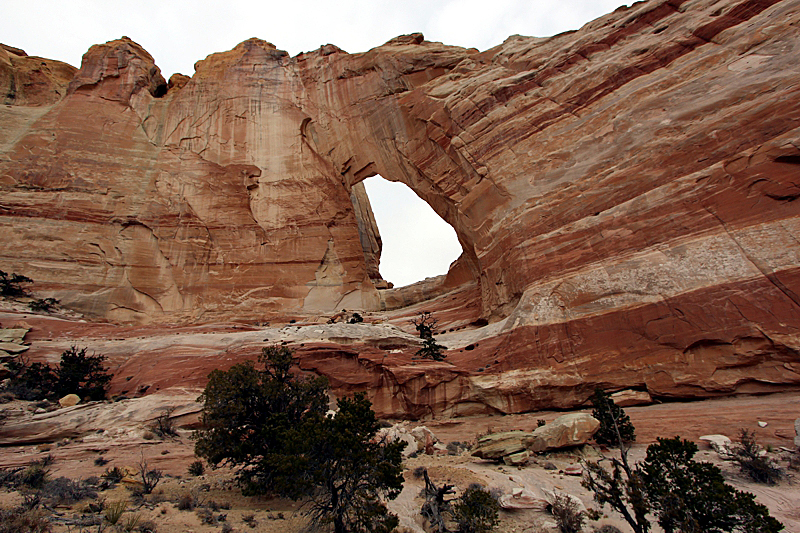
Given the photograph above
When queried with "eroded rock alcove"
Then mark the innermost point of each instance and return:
(624, 196)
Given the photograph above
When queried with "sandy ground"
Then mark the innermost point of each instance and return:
(75, 458)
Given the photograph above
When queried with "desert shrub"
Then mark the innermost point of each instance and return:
(36, 474)
(164, 425)
(131, 522)
(615, 425)
(424, 323)
(196, 468)
(250, 520)
(186, 502)
(684, 495)
(418, 472)
(747, 454)
(12, 285)
(206, 516)
(23, 519)
(567, 514)
(540, 423)
(454, 447)
(82, 374)
(64, 491)
(30, 381)
(608, 528)
(147, 526)
(114, 510)
(149, 476)
(44, 305)
(76, 373)
(100, 461)
(274, 426)
(476, 511)
(114, 475)
(227, 528)
(10, 477)
(356, 319)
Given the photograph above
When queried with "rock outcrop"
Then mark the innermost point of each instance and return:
(624, 196)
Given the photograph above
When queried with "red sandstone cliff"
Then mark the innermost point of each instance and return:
(624, 195)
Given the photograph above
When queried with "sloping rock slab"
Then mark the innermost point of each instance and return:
(498, 445)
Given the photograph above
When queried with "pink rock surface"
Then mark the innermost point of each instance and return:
(624, 195)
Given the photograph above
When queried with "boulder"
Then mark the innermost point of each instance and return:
(13, 335)
(572, 429)
(521, 498)
(400, 432)
(517, 459)
(550, 496)
(627, 398)
(423, 435)
(69, 400)
(497, 445)
(720, 444)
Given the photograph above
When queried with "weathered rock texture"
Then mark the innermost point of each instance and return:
(625, 196)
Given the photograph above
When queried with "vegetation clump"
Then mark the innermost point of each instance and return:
(11, 285)
(424, 324)
(274, 426)
(615, 425)
(477, 511)
(753, 463)
(568, 515)
(44, 305)
(76, 373)
(683, 495)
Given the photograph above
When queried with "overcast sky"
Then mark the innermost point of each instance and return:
(178, 33)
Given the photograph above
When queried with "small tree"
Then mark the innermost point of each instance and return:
(686, 496)
(248, 414)
(424, 324)
(82, 374)
(11, 285)
(747, 454)
(476, 511)
(31, 381)
(349, 470)
(692, 497)
(615, 425)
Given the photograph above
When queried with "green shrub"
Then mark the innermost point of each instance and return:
(424, 323)
(758, 467)
(82, 374)
(44, 305)
(684, 495)
(12, 285)
(274, 426)
(476, 511)
(615, 425)
(76, 373)
(196, 468)
(568, 515)
(114, 475)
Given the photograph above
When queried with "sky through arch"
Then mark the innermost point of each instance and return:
(417, 243)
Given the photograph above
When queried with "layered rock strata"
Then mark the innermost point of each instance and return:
(624, 195)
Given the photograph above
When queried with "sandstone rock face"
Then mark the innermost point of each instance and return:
(572, 429)
(624, 195)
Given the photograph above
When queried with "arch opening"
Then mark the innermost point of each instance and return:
(416, 243)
